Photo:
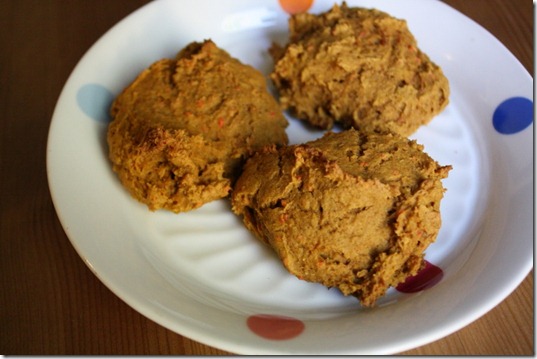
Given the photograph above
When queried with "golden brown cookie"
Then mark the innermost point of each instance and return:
(181, 131)
(353, 210)
(359, 67)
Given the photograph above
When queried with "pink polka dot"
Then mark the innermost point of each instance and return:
(426, 278)
(275, 327)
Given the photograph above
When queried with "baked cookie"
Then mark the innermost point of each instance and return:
(182, 130)
(359, 67)
(353, 210)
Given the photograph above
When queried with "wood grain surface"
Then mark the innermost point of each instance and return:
(50, 302)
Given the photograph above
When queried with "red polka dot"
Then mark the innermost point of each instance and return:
(426, 278)
(295, 6)
(275, 327)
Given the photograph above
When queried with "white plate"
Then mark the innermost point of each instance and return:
(201, 274)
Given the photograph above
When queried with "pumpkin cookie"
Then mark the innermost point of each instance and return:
(353, 210)
(358, 67)
(182, 130)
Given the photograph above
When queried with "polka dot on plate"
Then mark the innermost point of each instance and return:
(513, 115)
(275, 327)
(295, 6)
(95, 100)
(426, 278)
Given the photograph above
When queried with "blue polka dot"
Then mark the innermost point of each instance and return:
(95, 100)
(513, 115)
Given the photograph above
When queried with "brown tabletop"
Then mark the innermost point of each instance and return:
(50, 302)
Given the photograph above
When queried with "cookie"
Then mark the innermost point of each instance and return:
(353, 210)
(181, 131)
(360, 68)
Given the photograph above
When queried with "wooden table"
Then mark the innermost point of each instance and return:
(50, 302)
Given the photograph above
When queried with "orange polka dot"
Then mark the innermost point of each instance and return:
(295, 6)
(275, 327)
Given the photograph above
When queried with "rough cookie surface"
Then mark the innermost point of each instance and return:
(359, 67)
(353, 210)
(181, 131)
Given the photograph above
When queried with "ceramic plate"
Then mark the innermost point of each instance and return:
(204, 276)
